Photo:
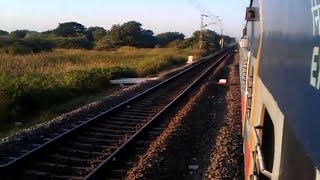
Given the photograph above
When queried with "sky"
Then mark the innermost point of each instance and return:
(157, 15)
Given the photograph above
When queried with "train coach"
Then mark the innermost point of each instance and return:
(280, 87)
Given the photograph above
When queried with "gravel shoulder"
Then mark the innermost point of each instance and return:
(203, 139)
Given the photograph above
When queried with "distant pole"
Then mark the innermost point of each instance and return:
(221, 40)
(201, 31)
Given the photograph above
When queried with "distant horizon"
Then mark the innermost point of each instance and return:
(181, 16)
(41, 31)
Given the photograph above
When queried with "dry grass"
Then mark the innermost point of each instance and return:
(37, 81)
(60, 60)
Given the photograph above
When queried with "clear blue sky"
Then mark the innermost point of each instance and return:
(157, 15)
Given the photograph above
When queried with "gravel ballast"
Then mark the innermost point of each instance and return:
(203, 139)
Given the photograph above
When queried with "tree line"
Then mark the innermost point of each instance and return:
(76, 35)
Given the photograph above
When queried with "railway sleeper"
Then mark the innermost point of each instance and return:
(119, 173)
(115, 127)
(108, 130)
(155, 103)
(91, 115)
(134, 116)
(138, 113)
(142, 143)
(76, 153)
(141, 150)
(33, 174)
(146, 102)
(58, 177)
(146, 108)
(143, 111)
(130, 163)
(102, 135)
(159, 129)
(123, 122)
(59, 169)
(94, 140)
(66, 160)
(88, 146)
(124, 119)
(155, 132)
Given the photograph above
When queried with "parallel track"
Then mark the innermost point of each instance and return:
(89, 148)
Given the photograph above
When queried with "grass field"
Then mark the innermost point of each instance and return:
(36, 82)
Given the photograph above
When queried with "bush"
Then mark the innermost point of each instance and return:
(199, 53)
(19, 48)
(29, 45)
(5, 42)
(96, 78)
(104, 45)
(38, 44)
(17, 34)
(4, 107)
(175, 60)
(72, 42)
(176, 44)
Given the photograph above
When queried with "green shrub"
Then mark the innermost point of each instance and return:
(175, 60)
(199, 53)
(104, 44)
(96, 78)
(5, 42)
(28, 46)
(19, 48)
(176, 44)
(37, 44)
(72, 42)
(4, 107)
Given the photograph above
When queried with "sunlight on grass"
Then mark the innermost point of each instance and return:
(35, 82)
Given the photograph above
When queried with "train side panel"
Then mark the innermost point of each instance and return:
(281, 89)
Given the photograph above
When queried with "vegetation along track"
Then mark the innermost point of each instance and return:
(94, 145)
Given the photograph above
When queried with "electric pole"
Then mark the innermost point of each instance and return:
(221, 40)
(201, 31)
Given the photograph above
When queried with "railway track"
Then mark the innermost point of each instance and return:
(95, 146)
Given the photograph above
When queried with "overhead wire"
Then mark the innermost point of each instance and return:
(214, 19)
(195, 4)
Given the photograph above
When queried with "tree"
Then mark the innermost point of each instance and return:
(98, 32)
(104, 44)
(176, 44)
(147, 39)
(210, 40)
(228, 39)
(70, 29)
(167, 37)
(3, 33)
(89, 36)
(130, 34)
(115, 36)
(18, 34)
(72, 42)
(33, 34)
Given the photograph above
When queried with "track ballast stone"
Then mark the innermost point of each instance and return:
(203, 139)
